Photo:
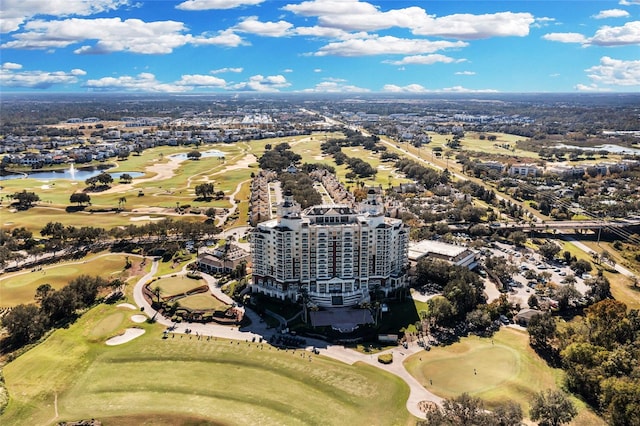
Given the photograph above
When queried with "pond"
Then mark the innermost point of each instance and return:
(205, 154)
(614, 149)
(70, 173)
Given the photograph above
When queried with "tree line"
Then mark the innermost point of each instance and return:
(599, 353)
(54, 308)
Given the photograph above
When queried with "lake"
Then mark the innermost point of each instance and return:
(71, 173)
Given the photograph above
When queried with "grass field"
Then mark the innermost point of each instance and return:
(621, 287)
(185, 379)
(20, 287)
(170, 286)
(493, 369)
(202, 301)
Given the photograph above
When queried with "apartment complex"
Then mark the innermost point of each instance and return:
(335, 254)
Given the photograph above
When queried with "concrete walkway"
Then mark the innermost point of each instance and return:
(259, 330)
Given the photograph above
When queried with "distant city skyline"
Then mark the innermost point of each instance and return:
(319, 46)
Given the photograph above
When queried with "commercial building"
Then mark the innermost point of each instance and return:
(333, 254)
(223, 259)
(454, 254)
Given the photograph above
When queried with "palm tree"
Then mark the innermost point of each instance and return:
(121, 202)
(157, 292)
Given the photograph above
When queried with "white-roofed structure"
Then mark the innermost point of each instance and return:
(454, 254)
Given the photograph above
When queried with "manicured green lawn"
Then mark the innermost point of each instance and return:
(171, 286)
(20, 287)
(505, 368)
(219, 381)
(202, 301)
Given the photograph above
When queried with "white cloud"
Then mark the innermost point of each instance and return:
(565, 37)
(611, 13)
(113, 35)
(288, 70)
(416, 88)
(216, 4)
(468, 26)
(78, 71)
(615, 72)
(226, 69)
(15, 12)
(143, 82)
(386, 45)
(266, 29)
(411, 88)
(629, 33)
(10, 77)
(335, 86)
(543, 22)
(317, 70)
(11, 66)
(630, 2)
(465, 73)
(424, 60)
(323, 32)
(353, 15)
(460, 89)
(260, 83)
(590, 88)
(199, 80)
(224, 38)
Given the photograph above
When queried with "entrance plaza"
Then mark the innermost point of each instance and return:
(344, 320)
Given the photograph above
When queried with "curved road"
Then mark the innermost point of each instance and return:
(259, 329)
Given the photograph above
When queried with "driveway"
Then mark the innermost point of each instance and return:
(259, 329)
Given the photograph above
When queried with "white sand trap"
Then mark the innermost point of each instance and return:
(138, 318)
(126, 305)
(129, 334)
(139, 218)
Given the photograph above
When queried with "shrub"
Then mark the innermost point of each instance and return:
(385, 358)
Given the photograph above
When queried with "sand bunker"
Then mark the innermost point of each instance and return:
(139, 218)
(126, 305)
(138, 318)
(129, 334)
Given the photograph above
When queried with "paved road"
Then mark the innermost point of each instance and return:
(259, 329)
(587, 250)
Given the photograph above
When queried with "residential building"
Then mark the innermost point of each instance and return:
(524, 169)
(335, 254)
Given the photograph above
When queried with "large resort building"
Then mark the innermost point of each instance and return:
(334, 254)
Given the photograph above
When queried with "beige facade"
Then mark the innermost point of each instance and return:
(334, 253)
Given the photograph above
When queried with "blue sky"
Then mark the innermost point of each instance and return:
(222, 46)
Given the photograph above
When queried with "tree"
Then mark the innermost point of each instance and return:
(121, 202)
(549, 250)
(518, 238)
(80, 198)
(126, 178)
(25, 324)
(440, 310)
(552, 408)
(25, 199)
(467, 410)
(205, 190)
(194, 155)
(104, 179)
(541, 328)
(43, 291)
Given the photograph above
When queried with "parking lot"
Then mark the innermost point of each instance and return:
(530, 264)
